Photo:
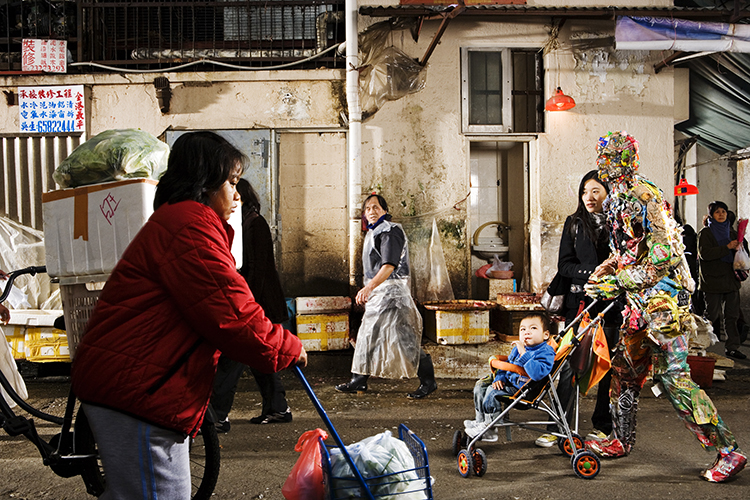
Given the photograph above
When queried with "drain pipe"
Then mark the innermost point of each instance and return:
(354, 144)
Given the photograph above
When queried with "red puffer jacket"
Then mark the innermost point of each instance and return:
(172, 304)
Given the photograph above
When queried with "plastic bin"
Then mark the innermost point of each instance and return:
(702, 370)
(79, 300)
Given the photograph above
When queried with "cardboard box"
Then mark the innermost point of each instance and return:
(318, 305)
(323, 332)
(87, 229)
(457, 327)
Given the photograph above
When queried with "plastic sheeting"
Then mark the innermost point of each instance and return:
(22, 246)
(663, 33)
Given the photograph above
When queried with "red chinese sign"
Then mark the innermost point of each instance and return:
(50, 110)
(50, 56)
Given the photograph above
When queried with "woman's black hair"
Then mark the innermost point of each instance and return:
(581, 213)
(250, 201)
(381, 201)
(712, 207)
(199, 163)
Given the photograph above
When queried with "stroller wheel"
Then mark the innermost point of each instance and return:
(567, 449)
(464, 463)
(586, 465)
(459, 442)
(479, 462)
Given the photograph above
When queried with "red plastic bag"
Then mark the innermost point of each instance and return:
(305, 482)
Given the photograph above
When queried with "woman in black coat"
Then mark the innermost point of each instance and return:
(583, 246)
(259, 270)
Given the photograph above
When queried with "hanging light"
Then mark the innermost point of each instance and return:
(684, 188)
(559, 102)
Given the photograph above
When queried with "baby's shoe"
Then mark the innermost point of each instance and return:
(725, 467)
(490, 435)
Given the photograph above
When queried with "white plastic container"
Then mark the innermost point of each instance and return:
(87, 229)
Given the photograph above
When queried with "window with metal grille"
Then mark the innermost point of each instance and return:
(502, 90)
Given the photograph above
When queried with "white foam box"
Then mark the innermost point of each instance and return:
(315, 305)
(32, 336)
(457, 327)
(87, 229)
(324, 332)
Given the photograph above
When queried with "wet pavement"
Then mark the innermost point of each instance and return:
(257, 459)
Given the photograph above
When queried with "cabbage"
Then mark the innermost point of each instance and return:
(113, 155)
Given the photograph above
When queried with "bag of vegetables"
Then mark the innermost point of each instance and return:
(113, 155)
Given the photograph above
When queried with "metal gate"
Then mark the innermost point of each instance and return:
(27, 165)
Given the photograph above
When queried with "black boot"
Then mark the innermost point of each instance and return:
(426, 373)
(357, 384)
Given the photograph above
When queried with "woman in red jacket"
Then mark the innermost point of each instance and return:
(175, 301)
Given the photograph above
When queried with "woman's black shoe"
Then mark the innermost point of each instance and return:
(357, 384)
(736, 354)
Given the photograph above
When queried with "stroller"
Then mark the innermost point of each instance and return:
(538, 395)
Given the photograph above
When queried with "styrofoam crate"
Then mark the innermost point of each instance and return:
(318, 305)
(44, 345)
(457, 327)
(26, 322)
(86, 229)
(323, 332)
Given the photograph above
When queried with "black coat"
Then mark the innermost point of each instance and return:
(259, 267)
(578, 257)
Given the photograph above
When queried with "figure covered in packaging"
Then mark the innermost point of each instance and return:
(648, 265)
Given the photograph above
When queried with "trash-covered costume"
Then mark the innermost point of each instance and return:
(650, 268)
(389, 339)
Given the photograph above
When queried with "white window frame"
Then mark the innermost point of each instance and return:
(507, 113)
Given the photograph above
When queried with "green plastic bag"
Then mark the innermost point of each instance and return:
(113, 155)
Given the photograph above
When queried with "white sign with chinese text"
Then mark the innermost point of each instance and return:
(49, 110)
(44, 55)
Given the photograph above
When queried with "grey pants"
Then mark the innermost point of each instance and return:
(141, 461)
(726, 305)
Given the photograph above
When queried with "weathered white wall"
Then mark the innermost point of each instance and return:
(415, 150)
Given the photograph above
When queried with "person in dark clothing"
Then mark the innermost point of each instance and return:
(583, 246)
(259, 270)
(717, 243)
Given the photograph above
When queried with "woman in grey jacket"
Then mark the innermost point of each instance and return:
(717, 243)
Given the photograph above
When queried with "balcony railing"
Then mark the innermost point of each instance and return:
(159, 34)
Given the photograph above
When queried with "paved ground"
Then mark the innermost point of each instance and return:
(257, 459)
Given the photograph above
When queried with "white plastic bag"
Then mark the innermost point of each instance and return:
(9, 369)
(741, 259)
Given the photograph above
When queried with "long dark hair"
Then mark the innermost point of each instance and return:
(581, 213)
(250, 201)
(199, 163)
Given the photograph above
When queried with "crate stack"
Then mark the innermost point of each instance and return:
(86, 231)
(323, 322)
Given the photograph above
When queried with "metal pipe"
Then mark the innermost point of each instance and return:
(354, 143)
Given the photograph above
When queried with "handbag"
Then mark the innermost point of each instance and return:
(553, 298)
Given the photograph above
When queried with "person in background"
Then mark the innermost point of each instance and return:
(259, 270)
(583, 246)
(648, 266)
(717, 243)
(388, 342)
(144, 369)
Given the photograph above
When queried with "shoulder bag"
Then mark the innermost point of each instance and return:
(553, 299)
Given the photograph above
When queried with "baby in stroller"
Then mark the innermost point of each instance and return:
(532, 353)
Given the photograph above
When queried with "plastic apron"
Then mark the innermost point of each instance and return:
(389, 339)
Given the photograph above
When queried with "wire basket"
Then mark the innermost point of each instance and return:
(78, 301)
(395, 485)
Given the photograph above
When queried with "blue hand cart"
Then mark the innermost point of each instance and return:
(366, 485)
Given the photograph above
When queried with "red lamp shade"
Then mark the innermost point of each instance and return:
(559, 102)
(684, 189)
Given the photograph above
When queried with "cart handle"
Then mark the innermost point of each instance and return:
(358, 475)
(32, 270)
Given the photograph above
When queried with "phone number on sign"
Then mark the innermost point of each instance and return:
(56, 126)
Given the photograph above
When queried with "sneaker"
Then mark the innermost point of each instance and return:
(546, 441)
(470, 422)
(736, 354)
(490, 435)
(222, 426)
(725, 467)
(273, 418)
(608, 448)
(597, 435)
(473, 428)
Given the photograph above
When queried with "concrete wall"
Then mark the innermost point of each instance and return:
(414, 149)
